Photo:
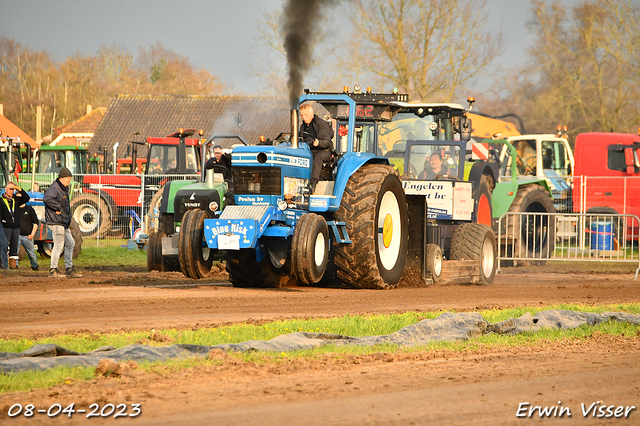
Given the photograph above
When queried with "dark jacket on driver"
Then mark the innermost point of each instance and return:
(56, 199)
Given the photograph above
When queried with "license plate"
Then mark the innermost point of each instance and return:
(228, 242)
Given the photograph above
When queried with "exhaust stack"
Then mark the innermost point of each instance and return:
(294, 128)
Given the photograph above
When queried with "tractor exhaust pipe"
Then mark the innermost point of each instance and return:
(294, 128)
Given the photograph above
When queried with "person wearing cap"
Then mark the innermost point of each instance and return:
(12, 198)
(58, 217)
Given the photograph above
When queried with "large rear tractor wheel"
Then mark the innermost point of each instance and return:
(92, 214)
(310, 248)
(77, 237)
(533, 236)
(476, 241)
(374, 209)
(195, 256)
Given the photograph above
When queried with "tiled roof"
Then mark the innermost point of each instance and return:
(11, 130)
(86, 124)
(160, 115)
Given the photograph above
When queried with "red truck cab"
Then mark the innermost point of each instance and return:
(607, 175)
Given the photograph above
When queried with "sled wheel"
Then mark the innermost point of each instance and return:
(434, 262)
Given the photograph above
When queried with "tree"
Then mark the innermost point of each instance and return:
(584, 70)
(168, 73)
(430, 49)
(30, 79)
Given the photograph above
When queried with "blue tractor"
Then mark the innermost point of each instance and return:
(352, 231)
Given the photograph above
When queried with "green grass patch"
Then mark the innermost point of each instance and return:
(347, 325)
(96, 257)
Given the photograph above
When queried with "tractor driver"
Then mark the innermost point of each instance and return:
(435, 167)
(318, 134)
(221, 159)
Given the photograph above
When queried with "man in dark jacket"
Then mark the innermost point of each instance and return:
(28, 227)
(222, 159)
(318, 134)
(12, 198)
(58, 217)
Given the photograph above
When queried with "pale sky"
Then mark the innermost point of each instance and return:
(217, 35)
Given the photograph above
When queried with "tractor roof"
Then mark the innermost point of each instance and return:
(63, 148)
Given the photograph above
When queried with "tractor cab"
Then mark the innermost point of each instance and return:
(175, 153)
(422, 122)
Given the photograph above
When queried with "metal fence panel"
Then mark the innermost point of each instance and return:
(109, 208)
(526, 236)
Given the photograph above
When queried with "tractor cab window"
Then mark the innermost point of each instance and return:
(78, 162)
(554, 157)
(51, 161)
(428, 162)
(193, 155)
(393, 135)
(365, 140)
(525, 158)
(162, 158)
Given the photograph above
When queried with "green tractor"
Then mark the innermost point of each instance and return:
(179, 203)
(521, 236)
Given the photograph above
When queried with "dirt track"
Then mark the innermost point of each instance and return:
(480, 388)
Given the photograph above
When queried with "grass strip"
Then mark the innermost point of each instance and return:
(356, 326)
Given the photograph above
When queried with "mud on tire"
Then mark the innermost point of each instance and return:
(374, 209)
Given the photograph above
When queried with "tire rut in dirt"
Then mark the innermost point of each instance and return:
(359, 209)
(195, 260)
(470, 241)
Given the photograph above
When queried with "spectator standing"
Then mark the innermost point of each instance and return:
(12, 198)
(58, 216)
(28, 227)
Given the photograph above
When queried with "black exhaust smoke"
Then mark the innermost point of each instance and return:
(301, 18)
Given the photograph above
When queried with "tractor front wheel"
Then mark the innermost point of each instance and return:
(195, 256)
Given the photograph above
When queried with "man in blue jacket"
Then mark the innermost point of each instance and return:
(58, 217)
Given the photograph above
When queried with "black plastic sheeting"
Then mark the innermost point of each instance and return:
(446, 327)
